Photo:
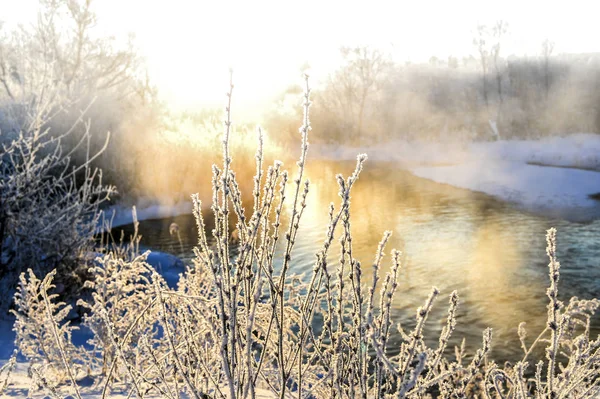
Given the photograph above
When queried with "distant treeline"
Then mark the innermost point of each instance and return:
(370, 98)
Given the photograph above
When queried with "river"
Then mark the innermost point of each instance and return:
(454, 239)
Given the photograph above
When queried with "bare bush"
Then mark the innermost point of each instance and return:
(121, 290)
(43, 334)
(48, 206)
(63, 60)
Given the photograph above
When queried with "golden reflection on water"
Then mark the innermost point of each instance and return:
(450, 238)
(453, 239)
(494, 283)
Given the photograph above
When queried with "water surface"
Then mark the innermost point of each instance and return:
(491, 252)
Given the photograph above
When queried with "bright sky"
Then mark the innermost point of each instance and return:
(190, 45)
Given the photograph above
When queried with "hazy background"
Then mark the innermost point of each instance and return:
(189, 45)
(381, 71)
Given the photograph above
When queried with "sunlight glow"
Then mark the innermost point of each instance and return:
(189, 46)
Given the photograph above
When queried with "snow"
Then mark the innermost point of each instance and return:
(169, 266)
(120, 215)
(20, 384)
(580, 150)
(554, 176)
(549, 190)
(575, 151)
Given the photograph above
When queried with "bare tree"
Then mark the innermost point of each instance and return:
(480, 42)
(488, 43)
(547, 49)
(64, 60)
(60, 47)
(499, 30)
(354, 85)
(7, 71)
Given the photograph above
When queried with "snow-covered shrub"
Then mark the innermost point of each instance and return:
(43, 333)
(572, 365)
(48, 205)
(240, 323)
(6, 370)
(120, 290)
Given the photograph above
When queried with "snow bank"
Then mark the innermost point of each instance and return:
(122, 215)
(20, 384)
(575, 151)
(545, 176)
(549, 190)
(167, 265)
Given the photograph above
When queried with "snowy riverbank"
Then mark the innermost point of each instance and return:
(580, 151)
(551, 191)
(554, 176)
(120, 215)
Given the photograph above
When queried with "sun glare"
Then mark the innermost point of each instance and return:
(190, 46)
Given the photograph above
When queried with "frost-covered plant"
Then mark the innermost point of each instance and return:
(48, 206)
(239, 322)
(241, 325)
(572, 365)
(120, 309)
(120, 290)
(6, 370)
(43, 333)
(34, 338)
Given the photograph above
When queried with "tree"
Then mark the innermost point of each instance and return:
(452, 62)
(434, 61)
(488, 43)
(352, 88)
(547, 49)
(498, 31)
(59, 65)
(480, 42)
(62, 48)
